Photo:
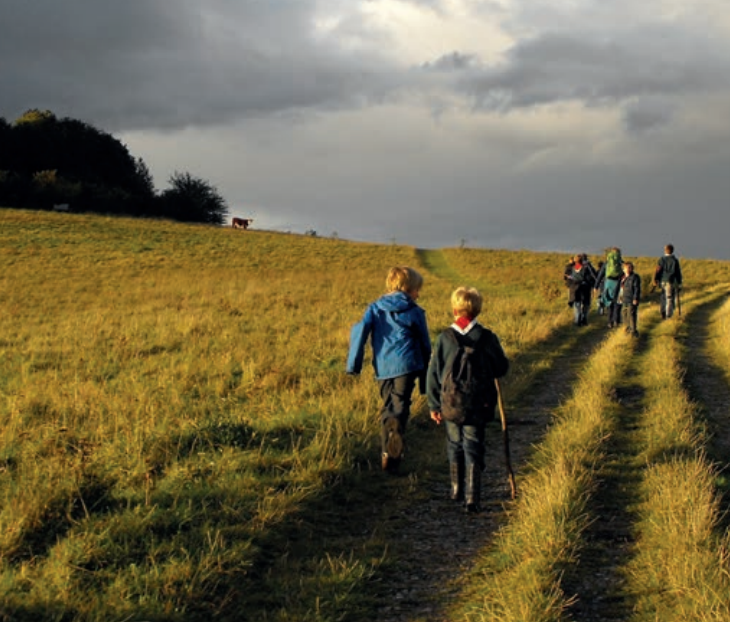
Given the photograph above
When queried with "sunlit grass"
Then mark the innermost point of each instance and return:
(680, 571)
(174, 413)
(170, 393)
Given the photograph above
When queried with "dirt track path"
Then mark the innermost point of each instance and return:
(436, 544)
(597, 582)
(433, 542)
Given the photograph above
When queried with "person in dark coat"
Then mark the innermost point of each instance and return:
(630, 298)
(668, 277)
(580, 277)
(465, 441)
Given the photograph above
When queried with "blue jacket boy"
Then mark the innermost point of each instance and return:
(400, 339)
(401, 344)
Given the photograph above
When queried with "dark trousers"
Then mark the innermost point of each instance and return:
(465, 444)
(396, 394)
(631, 313)
(581, 305)
(615, 313)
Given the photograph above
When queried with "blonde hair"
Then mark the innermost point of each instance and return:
(403, 279)
(466, 302)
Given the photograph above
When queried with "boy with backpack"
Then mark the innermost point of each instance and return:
(462, 393)
(610, 274)
(668, 275)
(401, 351)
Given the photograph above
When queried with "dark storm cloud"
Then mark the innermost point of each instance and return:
(645, 114)
(157, 64)
(160, 64)
(452, 62)
(556, 67)
(241, 76)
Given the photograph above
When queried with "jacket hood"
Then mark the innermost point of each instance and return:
(396, 301)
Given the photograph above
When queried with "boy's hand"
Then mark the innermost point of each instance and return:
(436, 416)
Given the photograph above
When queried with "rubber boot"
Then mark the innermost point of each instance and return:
(456, 469)
(473, 489)
(392, 445)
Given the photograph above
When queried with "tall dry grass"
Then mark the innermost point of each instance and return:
(173, 410)
(680, 570)
(170, 394)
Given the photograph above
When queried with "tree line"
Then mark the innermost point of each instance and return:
(46, 161)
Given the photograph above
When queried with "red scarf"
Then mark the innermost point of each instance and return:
(463, 322)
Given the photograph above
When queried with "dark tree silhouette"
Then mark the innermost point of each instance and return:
(45, 160)
(48, 160)
(6, 134)
(190, 199)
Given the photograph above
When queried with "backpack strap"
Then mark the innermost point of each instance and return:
(459, 338)
(591, 270)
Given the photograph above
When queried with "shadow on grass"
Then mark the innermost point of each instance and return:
(707, 384)
(214, 436)
(60, 512)
(19, 612)
(359, 546)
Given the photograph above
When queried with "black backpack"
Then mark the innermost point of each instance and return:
(669, 269)
(463, 390)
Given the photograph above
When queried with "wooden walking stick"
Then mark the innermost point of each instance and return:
(505, 437)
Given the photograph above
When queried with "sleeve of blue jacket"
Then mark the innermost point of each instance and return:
(359, 335)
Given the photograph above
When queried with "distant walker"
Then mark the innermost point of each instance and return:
(241, 223)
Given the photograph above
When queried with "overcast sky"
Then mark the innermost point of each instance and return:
(528, 124)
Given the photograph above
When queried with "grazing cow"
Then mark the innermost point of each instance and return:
(61, 207)
(241, 223)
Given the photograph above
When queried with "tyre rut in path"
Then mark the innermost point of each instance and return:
(598, 580)
(433, 542)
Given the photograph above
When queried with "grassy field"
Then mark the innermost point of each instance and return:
(179, 441)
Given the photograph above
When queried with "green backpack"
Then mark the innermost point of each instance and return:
(614, 268)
